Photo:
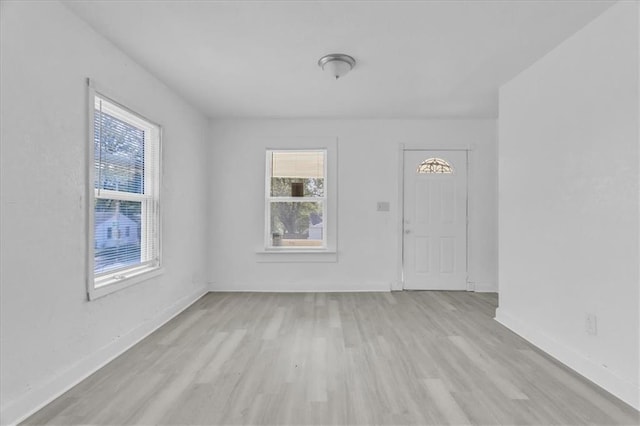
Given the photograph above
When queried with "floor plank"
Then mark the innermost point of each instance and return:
(414, 358)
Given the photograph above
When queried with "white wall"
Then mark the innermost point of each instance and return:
(569, 195)
(368, 171)
(51, 335)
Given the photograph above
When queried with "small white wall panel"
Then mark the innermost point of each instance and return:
(447, 255)
(422, 254)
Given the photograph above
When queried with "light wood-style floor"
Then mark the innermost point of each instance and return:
(426, 358)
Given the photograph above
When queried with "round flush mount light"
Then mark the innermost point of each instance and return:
(338, 64)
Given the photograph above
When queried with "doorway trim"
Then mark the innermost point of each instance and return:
(402, 147)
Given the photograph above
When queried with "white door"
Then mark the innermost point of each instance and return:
(435, 220)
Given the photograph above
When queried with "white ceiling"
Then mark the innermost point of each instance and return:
(414, 59)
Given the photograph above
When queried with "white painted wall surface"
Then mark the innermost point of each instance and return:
(51, 335)
(368, 172)
(569, 195)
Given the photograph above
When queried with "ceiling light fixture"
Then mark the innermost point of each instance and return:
(338, 64)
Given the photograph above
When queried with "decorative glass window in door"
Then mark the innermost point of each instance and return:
(434, 165)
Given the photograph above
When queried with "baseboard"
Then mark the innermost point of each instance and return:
(598, 374)
(485, 287)
(24, 406)
(298, 287)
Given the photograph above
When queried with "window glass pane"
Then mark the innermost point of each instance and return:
(117, 234)
(286, 187)
(297, 224)
(118, 154)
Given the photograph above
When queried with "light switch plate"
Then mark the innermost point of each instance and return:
(383, 206)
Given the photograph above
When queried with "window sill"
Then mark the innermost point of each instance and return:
(108, 285)
(296, 255)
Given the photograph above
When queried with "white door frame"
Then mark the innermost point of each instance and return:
(469, 148)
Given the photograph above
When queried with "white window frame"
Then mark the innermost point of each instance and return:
(269, 199)
(99, 285)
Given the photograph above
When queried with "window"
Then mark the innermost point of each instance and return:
(434, 165)
(296, 199)
(124, 223)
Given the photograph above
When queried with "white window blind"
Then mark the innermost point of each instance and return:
(298, 164)
(125, 221)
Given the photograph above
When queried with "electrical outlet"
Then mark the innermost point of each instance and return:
(591, 324)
